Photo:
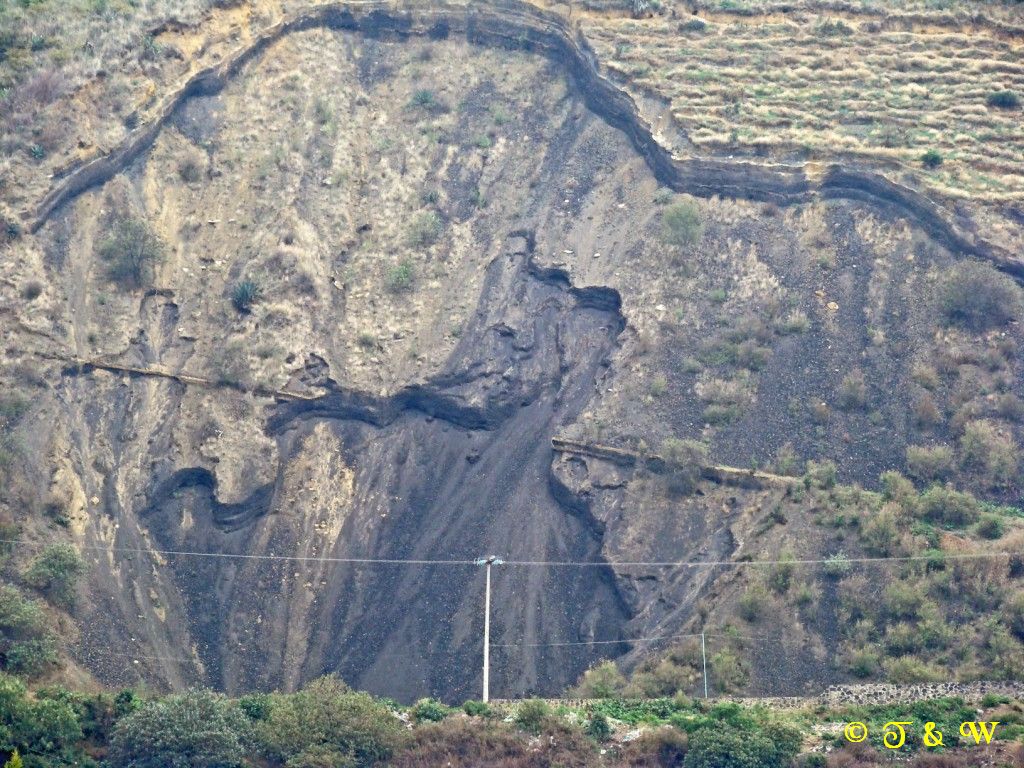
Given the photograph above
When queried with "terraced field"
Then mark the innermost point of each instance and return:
(833, 81)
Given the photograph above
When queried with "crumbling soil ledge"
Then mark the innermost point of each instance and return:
(511, 24)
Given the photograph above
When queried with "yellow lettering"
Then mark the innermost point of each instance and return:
(894, 739)
(978, 731)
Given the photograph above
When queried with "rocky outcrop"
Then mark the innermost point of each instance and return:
(517, 25)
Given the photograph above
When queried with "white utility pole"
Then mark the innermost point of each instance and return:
(488, 561)
(704, 657)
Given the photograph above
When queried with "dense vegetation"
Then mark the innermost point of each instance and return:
(328, 725)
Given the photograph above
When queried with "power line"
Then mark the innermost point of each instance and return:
(593, 642)
(542, 563)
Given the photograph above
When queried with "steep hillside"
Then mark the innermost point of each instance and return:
(388, 256)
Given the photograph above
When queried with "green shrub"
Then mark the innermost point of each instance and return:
(728, 672)
(977, 296)
(990, 452)
(820, 474)
(598, 728)
(131, 252)
(837, 565)
(327, 714)
(1003, 100)
(41, 727)
(54, 571)
(949, 507)
(990, 527)
(693, 25)
(401, 278)
(752, 602)
(27, 645)
(725, 747)
(531, 715)
(780, 577)
(880, 534)
(426, 100)
(908, 669)
(425, 229)
(931, 159)
(684, 460)
(603, 681)
(929, 463)
(659, 386)
(256, 706)
(476, 708)
(681, 224)
(429, 710)
(245, 294)
(863, 663)
(197, 729)
(834, 28)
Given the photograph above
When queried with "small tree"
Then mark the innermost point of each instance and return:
(681, 224)
(198, 729)
(15, 761)
(328, 715)
(131, 252)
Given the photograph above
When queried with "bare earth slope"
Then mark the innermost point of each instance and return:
(460, 256)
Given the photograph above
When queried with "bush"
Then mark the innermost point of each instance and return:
(245, 294)
(37, 727)
(401, 278)
(880, 533)
(931, 159)
(929, 463)
(1003, 100)
(977, 296)
(725, 747)
(603, 681)
(531, 715)
(853, 392)
(327, 714)
(27, 645)
(598, 728)
(476, 708)
(428, 710)
(837, 565)
(990, 527)
(752, 602)
(32, 290)
(780, 577)
(197, 729)
(681, 224)
(190, 169)
(949, 507)
(54, 572)
(991, 451)
(131, 252)
(684, 460)
(820, 474)
(663, 747)
(425, 229)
